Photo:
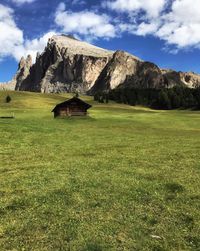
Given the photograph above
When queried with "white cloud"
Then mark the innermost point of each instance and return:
(38, 44)
(19, 2)
(77, 2)
(144, 29)
(11, 36)
(177, 25)
(141, 29)
(151, 7)
(12, 41)
(84, 23)
(181, 25)
(31, 47)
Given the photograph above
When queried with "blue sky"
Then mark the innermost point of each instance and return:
(165, 32)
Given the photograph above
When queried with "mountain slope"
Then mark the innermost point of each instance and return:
(68, 65)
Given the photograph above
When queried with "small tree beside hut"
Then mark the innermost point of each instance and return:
(8, 99)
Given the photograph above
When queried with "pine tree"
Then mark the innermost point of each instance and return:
(164, 101)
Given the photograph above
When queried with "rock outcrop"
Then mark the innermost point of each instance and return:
(121, 66)
(188, 79)
(22, 73)
(65, 66)
(148, 75)
(68, 65)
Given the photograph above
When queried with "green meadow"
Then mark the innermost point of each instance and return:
(125, 178)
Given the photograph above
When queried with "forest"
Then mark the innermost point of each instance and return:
(166, 99)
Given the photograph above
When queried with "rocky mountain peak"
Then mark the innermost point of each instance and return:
(23, 70)
(25, 63)
(22, 63)
(75, 46)
(68, 64)
(29, 61)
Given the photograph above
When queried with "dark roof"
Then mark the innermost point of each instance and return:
(70, 101)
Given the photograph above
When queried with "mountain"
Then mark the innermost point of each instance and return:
(68, 65)
(22, 73)
(8, 85)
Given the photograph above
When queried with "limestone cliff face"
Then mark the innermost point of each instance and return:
(22, 73)
(188, 79)
(119, 68)
(65, 66)
(146, 75)
(68, 65)
(60, 69)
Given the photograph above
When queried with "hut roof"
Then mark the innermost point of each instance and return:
(71, 101)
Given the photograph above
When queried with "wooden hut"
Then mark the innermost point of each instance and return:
(71, 107)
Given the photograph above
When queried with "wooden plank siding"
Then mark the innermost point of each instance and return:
(73, 107)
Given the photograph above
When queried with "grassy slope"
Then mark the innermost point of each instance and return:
(108, 182)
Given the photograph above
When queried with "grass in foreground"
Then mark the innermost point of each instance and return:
(127, 178)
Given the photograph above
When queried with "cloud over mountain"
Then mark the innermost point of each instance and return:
(176, 22)
(151, 8)
(85, 23)
(12, 42)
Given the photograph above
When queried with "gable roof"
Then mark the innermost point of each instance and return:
(70, 101)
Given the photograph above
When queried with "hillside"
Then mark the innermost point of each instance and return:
(69, 65)
(125, 178)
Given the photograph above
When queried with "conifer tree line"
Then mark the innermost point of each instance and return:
(167, 99)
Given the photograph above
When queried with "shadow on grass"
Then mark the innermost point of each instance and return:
(174, 187)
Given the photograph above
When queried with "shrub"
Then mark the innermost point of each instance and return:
(8, 99)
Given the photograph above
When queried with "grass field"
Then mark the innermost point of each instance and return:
(126, 178)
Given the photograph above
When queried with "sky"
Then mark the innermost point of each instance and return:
(166, 32)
